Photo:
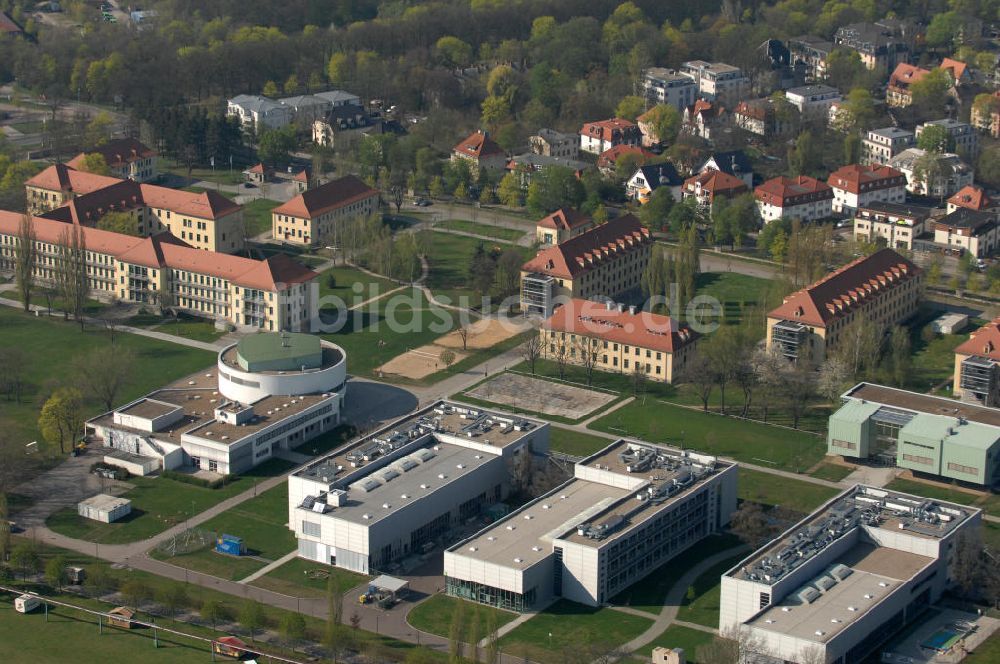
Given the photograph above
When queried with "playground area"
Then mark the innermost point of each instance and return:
(946, 637)
(420, 362)
(541, 396)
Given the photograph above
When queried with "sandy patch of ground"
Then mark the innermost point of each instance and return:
(541, 396)
(484, 333)
(421, 362)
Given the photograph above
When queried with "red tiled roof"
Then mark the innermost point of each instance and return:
(852, 285)
(206, 205)
(608, 130)
(478, 145)
(7, 25)
(330, 196)
(116, 153)
(971, 197)
(60, 177)
(564, 220)
(258, 169)
(904, 74)
(956, 67)
(783, 191)
(578, 254)
(302, 176)
(851, 177)
(716, 183)
(642, 329)
(984, 342)
(165, 250)
(757, 109)
(610, 157)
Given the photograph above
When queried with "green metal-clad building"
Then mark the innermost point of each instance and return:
(920, 432)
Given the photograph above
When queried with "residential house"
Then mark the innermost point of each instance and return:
(986, 117)
(607, 161)
(607, 261)
(599, 137)
(893, 225)
(879, 48)
(976, 376)
(527, 164)
(879, 146)
(338, 98)
(965, 230)
(481, 151)
(316, 213)
(206, 220)
(705, 119)
(256, 112)
(882, 290)
(342, 125)
(648, 179)
(273, 294)
(961, 73)
(809, 56)
(306, 109)
(127, 158)
(561, 225)
(619, 340)
(898, 93)
(970, 197)
(962, 134)
(551, 143)
(942, 180)
(762, 117)
(803, 197)
(301, 180)
(813, 101)
(258, 174)
(717, 81)
(668, 86)
(731, 162)
(709, 185)
(856, 186)
(8, 28)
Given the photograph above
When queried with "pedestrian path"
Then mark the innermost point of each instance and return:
(270, 566)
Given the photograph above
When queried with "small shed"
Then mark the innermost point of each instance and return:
(121, 616)
(663, 655)
(388, 586)
(133, 463)
(301, 181)
(950, 323)
(104, 508)
(257, 174)
(230, 545)
(76, 575)
(230, 646)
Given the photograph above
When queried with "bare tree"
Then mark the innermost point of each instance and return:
(72, 271)
(799, 387)
(111, 323)
(698, 371)
(638, 379)
(25, 258)
(586, 348)
(769, 366)
(105, 372)
(561, 356)
(751, 524)
(531, 350)
(834, 377)
(463, 334)
(397, 197)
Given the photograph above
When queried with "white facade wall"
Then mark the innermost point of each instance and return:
(581, 581)
(253, 387)
(806, 212)
(846, 202)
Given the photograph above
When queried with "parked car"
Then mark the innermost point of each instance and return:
(422, 202)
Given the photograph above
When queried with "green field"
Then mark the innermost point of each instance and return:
(73, 636)
(735, 292)
(791, 494)
(486, 230)
(435, 615)
(750, 442)
(987, 653)
(833, 472)
(704, 608)
(222, 174)
(567, 631)
(647, 594)
(158, 503)
(932, 491)
(352, 285)
(604, 380)
(257, 216)
(49, 348)
(677, 636)
(189, 327)
(293, 579)
(573, 442)
(449, 259)
(260, 522)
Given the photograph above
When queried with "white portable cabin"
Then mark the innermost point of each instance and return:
(26, 603)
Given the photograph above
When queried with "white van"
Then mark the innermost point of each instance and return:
(26, 603)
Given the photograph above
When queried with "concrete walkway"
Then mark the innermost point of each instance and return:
(672, 602)
(291, 555)
(523, 241)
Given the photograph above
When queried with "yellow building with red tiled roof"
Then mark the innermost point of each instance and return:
(977, 366)
(312, 215)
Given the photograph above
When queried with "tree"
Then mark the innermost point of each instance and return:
(552, 188)
(74, 282)
(270, 89)
(99, 130)
(252, 617)
(751, 524)
(531, 350)
(805, 157)
(136, 592)
(61, 418)
(94, 162)
(25, 559)
(834, 377)
(974, 574)
(448, 358)
(699, 372)
(900, 357)
(275, 144)
(930, 93)
(173, 596)
(4, 528)
(630, 107)
(25, 257)
(105, 372)
(213, 611)
(293, 627)
(798, 388)
(453, 51)
(463, 334)
(55, 572)
(655, 212)
(638, 379)
(665, 121)
(935, 138)
(584, 348)
(988, 167)
(99, 580)
(509, 190)
(119, 222)
(844, 69)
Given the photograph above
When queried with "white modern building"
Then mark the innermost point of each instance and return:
(856, 186)
(389, 496)
(628, 509)
(104, 508)
(964, 136)
(843, 580)
(257, 112)
(669, 86)
(718, 81)
(813, 101)
(269, 392)
(881, 145)
(941, 180)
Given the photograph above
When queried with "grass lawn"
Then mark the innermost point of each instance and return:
(792, 494)
(379, 331)
(73, 636)
(449, 260)
(257, 216)
(704, 608)
(931, 491)
(573, 442)
(189, 327)
(477, 228)
(991, 535)
(567, 627)
(751, 442)
(677, 636)
(157, 504)
(292, 579)
(733, 290)
(934, 360)
(647, 593)
(987, 653)
(833, 472)
(259, 521)
(49, 347)
(222, 174)
(58, 304)
(328, 441)
(434, 615)
(604, 380)
(352, 285)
